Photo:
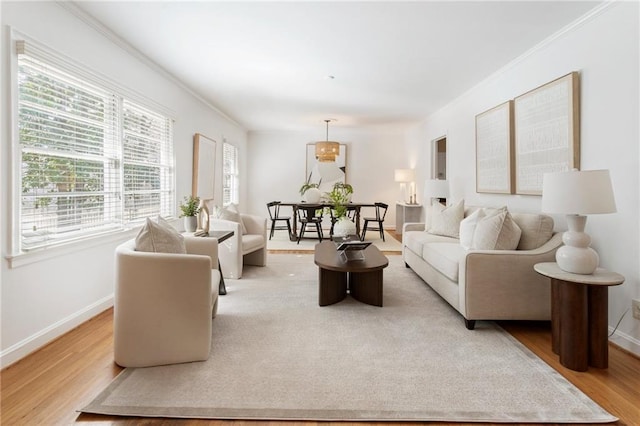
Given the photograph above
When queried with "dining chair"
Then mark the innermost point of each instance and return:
(310, 216)
(381, 212)
(274, 214)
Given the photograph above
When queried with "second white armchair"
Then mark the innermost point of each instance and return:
(244, 248)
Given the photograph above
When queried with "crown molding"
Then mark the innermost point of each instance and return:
(74, 9)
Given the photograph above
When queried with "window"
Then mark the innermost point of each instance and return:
(91, 161)
(230, 174)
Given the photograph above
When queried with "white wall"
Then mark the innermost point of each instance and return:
(44, 299)
(277, 161)
(604, 48)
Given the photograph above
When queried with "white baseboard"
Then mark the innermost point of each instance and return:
(625, 341)
(38, 340)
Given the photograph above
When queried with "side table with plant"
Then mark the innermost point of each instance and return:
(190, 209)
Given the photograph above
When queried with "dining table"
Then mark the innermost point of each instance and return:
(297, 205)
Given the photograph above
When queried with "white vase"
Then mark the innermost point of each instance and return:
(190, 223)
(312, 195)
(344, 227)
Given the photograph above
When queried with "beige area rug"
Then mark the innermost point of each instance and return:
(277, 355)
(280, 241)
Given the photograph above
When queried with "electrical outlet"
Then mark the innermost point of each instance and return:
(635, 307)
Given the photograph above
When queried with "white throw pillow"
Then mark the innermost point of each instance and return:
(468, 228)
(230, 213)
(159, 238)
(446, 221)
(496, 231)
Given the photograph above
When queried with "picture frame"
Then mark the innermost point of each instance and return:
(204, 163)
(494, 150)
(325, 174)
(547, 132)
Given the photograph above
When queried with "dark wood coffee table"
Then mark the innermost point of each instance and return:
(361, 278)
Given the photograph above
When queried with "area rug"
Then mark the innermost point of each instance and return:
(277, 355)
(280, 241)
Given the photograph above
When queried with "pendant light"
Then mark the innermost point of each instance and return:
(327, 151)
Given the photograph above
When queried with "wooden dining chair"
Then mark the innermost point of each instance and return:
(381, 212)
(310, 216)
(274, 215)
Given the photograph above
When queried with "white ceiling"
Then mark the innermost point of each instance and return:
(267, 64)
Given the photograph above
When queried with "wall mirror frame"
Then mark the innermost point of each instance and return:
(204, 166)
(326, 174)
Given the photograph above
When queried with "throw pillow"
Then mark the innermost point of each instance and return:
(157, 238)
(230, 213)
(496, 231)
(468, 227)
(446, 221)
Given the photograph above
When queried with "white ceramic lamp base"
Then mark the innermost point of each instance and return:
(576, 256)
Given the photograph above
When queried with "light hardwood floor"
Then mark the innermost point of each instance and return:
(50, 385)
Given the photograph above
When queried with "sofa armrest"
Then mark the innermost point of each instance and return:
(413, 226)
(496, 283)
(204, 246)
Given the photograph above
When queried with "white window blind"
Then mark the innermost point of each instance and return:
(82, 147)
(230, 187)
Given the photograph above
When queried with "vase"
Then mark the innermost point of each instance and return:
(190, 223)
(312, 195)
(344, 227)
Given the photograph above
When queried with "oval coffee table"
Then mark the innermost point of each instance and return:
(362, 278)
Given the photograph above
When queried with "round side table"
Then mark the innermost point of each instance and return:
(579, 305)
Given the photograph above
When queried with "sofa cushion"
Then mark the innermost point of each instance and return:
(444, 257)
(252, 242)
(159, 238)
(537, 229)
(415, 240)
(468, 228)
(496, 231)
(446, 221)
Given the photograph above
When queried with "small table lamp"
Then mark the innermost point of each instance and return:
(577, 193)
(436, 188)
(405, 176)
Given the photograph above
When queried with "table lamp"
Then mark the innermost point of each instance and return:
(436, 188)
(576, 194)
(405, 176)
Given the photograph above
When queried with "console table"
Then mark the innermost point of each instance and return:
(406, 213)
(579, 305)
(220, 236)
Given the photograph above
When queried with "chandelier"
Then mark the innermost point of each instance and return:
(327, 151)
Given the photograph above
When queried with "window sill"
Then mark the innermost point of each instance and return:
(27, 258)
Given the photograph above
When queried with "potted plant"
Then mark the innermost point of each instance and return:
(310, 192)
(190, 209)
(340, 196)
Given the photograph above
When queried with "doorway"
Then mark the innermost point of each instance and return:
(439, 159)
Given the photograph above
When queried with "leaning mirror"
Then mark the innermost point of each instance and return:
(326, 173)
(204, 162)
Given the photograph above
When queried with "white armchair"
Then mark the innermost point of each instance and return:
(164, 304)
(242, 249)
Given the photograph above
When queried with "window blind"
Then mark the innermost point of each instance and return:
(230, 173)
(83, 148)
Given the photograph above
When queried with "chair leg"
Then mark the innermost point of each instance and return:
(364, 230)
(302, 228)
(319, 229)
(381, 231)
(273, 228)
(289, 228)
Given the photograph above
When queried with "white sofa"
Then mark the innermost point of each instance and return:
(487, 284)
(244, 248)
(164, 303)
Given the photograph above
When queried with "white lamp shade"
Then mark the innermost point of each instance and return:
(405, 175)
(436, 188)
(578, 192)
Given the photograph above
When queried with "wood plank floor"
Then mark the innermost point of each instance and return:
(50, 385)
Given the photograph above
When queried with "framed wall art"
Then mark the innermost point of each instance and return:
(547, 132)
(204, 165)
(494, 150)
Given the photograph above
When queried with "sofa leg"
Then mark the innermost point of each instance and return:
(470, 324)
